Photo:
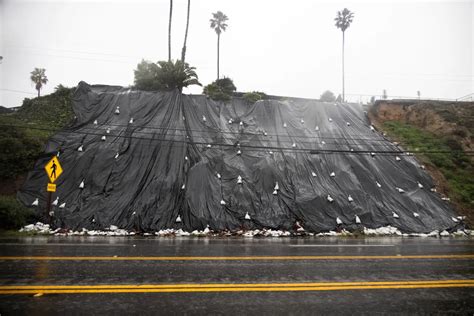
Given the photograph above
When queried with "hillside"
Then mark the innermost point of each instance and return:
(23, 134)
(436, 126)
(403, 121)
(146, 161)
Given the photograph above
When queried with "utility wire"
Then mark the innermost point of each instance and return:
(257, 148)
(260, 132)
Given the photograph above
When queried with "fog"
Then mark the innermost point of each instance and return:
(288, 48)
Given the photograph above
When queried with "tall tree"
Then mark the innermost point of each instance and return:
(169, 30)
(183, 51)
(343, 21)
(218, 24)
(38, 77)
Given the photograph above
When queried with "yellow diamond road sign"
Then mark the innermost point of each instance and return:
(53, 169)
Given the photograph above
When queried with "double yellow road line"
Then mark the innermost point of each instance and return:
(232, 287)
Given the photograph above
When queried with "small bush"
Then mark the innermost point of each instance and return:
(220, 90)
(17, 152)
(13, 215)
(327, 96)
(252, 97)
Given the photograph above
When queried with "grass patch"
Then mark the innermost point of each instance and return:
(456, 167)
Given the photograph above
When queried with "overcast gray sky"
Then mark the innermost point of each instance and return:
(289, 48)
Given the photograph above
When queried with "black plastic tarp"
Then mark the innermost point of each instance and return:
(139, 160)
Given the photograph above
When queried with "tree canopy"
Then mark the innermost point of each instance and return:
(218, 22)
(165, 76)
(38, 77)
(344, 19)
(328, 96)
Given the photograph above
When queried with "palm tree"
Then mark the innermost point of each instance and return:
(169, 30)
(219, 25)
(38, 77)
(343, 21)
(183, 51)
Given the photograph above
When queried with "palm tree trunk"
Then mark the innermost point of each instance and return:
(183, 51)
(169, 30)
(38, 92)
(343, 87)
(218, 43)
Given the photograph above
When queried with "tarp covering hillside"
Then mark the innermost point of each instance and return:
(151, 160)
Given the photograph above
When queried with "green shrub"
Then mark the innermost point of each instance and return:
(4, 110)
(17, 152)
(446, 154)
(50, 111)
(165, 76)
(145, 76)
(327, 96)
(252, 97)
(13, 215)
(220, 90)
(24, 132)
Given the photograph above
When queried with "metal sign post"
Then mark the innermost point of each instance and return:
(53, 170)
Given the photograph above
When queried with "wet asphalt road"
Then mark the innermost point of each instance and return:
(92, 261)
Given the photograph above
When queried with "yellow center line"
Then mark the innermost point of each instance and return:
(228, 258)
(222, 285)
(236, 287)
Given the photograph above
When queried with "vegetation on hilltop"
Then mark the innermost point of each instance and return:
(327, 96)
(38, 77)
(165, 76)
(254, 96)
(220, 89)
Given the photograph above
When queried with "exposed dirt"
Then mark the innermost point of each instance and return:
(454, 120)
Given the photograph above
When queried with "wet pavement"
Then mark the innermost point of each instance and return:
(189, 275)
